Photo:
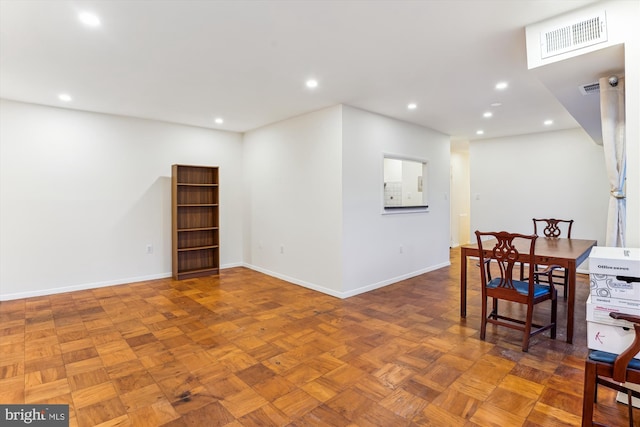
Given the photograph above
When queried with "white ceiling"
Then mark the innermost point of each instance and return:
(247, 61)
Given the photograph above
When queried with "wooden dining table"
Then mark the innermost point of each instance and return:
(567, 253)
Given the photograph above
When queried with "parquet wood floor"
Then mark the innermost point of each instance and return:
(245, 349)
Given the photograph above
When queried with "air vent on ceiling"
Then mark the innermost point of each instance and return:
(591, 88)
(574, 35)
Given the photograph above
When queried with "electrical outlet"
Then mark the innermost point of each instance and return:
(281, 249)
(149, 248)
(401, 249)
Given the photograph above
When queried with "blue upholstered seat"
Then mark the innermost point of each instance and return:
(605, 357)
(523, 287)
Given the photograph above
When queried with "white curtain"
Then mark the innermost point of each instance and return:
(613, 140)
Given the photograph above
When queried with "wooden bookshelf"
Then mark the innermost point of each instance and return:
(195, 232)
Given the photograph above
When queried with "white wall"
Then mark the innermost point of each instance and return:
(293, 175)
(314, 186)
(372, 240)
(549, 175)
(82, 194)
(622, 27)
(460, 197)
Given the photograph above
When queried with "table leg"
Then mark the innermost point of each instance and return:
(571, 300)
(463, 283)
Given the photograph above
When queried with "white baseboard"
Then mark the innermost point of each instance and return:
(303, 283)
(353, 292)
(95, 285)
(81, 287)
(393, 280)
(295, 281)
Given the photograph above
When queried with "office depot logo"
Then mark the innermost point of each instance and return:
(37, 415)
(609, 267)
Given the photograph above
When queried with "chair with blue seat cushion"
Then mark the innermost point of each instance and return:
(612, 371)
(506, 250)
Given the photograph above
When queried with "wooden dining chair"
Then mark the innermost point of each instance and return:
(612, 371)
(504, 286)
(554, 228)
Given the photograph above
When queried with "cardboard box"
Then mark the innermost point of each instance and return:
(615, 261)
(617, 302)
(610, 286)
(599, 313)
(609, 338)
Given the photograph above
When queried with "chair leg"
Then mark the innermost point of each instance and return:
(527, 330)
(566, 284)
(483, 324)
(589, 393)
(630, 403)
(554, 316)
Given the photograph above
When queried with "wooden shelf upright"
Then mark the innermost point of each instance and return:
(194, 221)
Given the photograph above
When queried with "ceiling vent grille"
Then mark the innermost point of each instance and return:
(591, 88)
(573, 36)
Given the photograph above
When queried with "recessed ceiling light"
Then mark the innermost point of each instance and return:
(412, 106)
(548, 122)
(496, 104)
(479, 132)
(219, 120)
(64, 97)
(487, 114)
(502, 85)
(312, 83)
(89, 19)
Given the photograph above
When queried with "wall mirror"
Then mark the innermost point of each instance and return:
(404, 183)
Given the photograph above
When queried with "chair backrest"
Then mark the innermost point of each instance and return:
(552, 227)
(621, 364)
(506, 249)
